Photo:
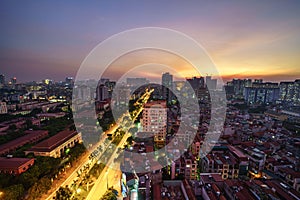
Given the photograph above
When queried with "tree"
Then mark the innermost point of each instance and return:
(34, 192)
(12, 127)
(30, 177)
(130, 140)
(133, 130)
(45, 184)
(110, 194)
(13, 192)
(63, 193)
(29, 124)
(39, 188)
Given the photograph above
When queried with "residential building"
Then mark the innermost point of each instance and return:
(238, 86)
(257, 159)
(154, 119)
(29, 137)
(102, 92)
(262, 93)
(211, 83)
(196, 82)
(3, 108)
(2, 79)
(47, 116)
(121, 95)
(15, 166)
(167, 85)
(56, 145)
(134, 83)
(290, 92)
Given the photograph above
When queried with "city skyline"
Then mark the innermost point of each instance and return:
(156, 80)
(46, 39)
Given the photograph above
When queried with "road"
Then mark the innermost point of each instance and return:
(109, 175)
(84, 160)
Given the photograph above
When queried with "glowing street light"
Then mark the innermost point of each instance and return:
(106, 173)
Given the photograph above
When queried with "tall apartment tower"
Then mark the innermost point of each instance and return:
(14, 80)
(290, 92)
(211, 83)
(155, 121)
(2, 79)
(102, 92)
(167, 83)
(262, 93)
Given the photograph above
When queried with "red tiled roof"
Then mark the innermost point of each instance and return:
(54, 141)
(244, 194)
(13, 162)
(160, 103)
(23, 140)
(156, 192)
(279, 190)
(217, 177)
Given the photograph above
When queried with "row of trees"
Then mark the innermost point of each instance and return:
(13, 132)
(110, 194)
(56, 125)
(35, 180)
(63, 193)
(107, 120)
(38, 179)
(13, 192)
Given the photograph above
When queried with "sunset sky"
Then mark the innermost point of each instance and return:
(245, 39)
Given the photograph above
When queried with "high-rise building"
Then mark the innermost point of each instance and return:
(69, 80)
(286, 91)
(239, 86)
(102, 92)
(136, 82)
(262, 93)
(196, 82)
(110, 85)
(3, 108)
(200, 90)
(47, 81)
(258, 81)
(155, 121)
(211, 83)
(289, 92)
(2, 79)
(167, 85)
(296, 97)
(83, 93)
(121, 95)
(14, 80)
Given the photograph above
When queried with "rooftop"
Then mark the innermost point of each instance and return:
(156, 104)
(12, 162)
(54, 141)
(21, 140)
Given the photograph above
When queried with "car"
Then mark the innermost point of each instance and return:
(285, 186)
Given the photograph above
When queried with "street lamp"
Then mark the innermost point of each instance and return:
(106, 179)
